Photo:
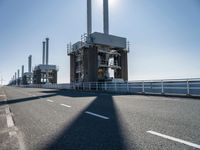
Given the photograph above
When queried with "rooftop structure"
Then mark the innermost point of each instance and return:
(45, 73)
(27, 77)
(97, 54)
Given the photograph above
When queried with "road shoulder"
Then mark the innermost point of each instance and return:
(9, 134)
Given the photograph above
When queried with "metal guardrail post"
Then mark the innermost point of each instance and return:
(90, 86)
(83, 86)
(105, 86)
(188, 88)
(73, 86)
(162, 87)
(143, 87)
(115, 87)
(127, 87)
(96, 86)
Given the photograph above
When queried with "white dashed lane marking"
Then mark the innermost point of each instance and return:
(174, 139)
(65, 105)
(50, 100)
(96, 115)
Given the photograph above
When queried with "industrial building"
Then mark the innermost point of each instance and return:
(45, 73)
(98, 55)
(18, 77)
(27, 77)
(42, 74)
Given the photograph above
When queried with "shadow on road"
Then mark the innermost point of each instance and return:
(88, 132)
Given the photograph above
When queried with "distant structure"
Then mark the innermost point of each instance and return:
(13, 80)
(22, 71)
(45, 73)
(1, 81)
(18, 77)
(27, 77)
(42, 74)
(97, 54)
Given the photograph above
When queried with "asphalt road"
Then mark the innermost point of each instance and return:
(72, 120)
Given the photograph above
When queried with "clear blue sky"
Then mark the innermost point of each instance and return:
(164, 34)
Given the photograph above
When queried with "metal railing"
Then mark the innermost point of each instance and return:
(182, 87)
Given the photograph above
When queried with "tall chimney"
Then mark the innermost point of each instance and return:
(105, 17)
(43, 53)
(15, 76)
(18, 73)
(47, 51)
(18, 77)
(89, 17)
(29, 63)
(22, 70)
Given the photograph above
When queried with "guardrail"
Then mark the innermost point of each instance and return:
(182, 87)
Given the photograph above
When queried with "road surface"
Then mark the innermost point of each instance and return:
(72, 120)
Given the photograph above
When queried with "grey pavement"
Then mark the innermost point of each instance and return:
(64, 119)
(8, 134)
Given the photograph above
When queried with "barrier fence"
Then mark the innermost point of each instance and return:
(182, 87)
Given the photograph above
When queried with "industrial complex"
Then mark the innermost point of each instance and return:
(41, 74)
(98, 54)
(45, 73)
(97, 57)
(98, 61)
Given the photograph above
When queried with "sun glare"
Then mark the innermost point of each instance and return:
(113, 4)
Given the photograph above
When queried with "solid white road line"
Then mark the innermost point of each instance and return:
(65, 105)
(96, 115)
(50, 101)
(174, 139)
(10, 122)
